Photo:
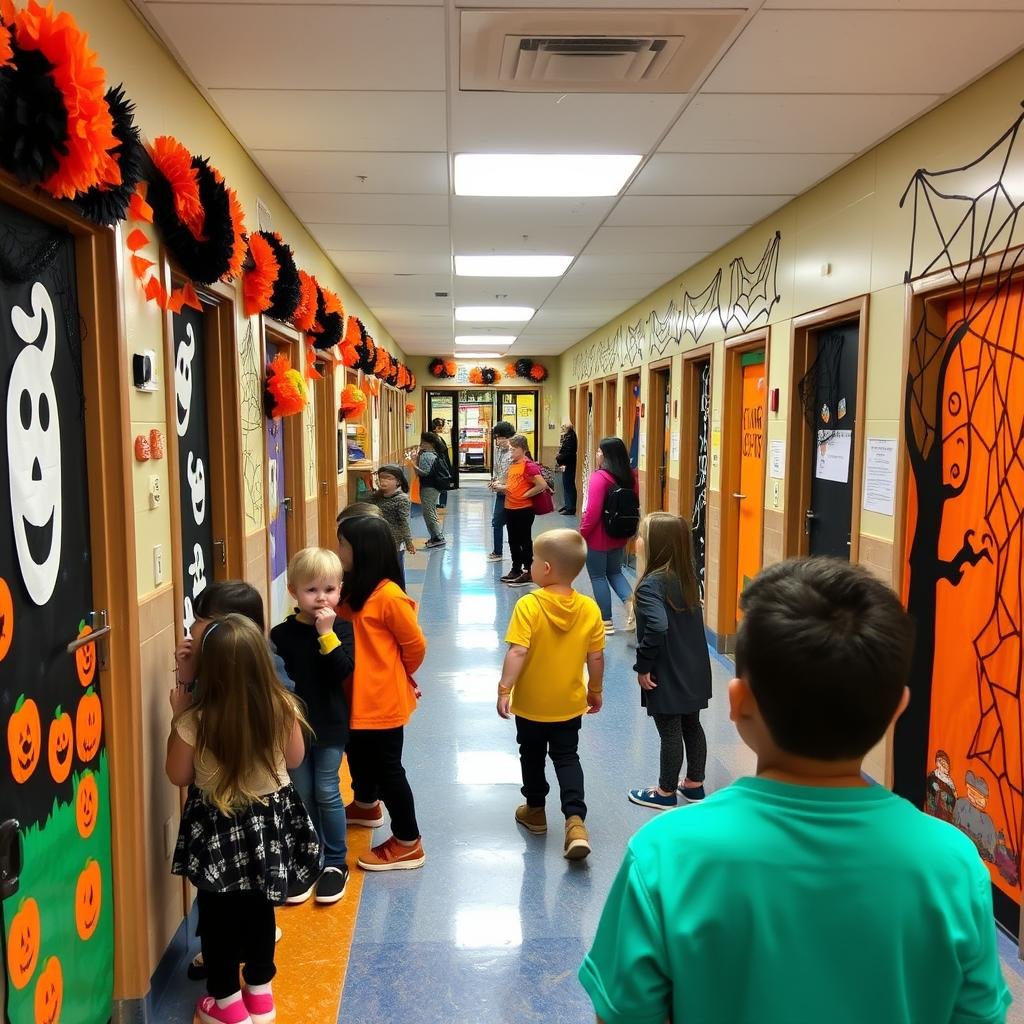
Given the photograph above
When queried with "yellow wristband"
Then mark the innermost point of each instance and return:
(328, 642)
(503, 693)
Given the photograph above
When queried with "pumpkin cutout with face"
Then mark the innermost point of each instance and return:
(49, 993)
(6, 618)
(87, 803)
(23, 944)
(60, 745)
(85, 657)
(24, 738)
(88, 725)
(88, 898)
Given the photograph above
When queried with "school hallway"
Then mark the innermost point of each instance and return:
(494, 926)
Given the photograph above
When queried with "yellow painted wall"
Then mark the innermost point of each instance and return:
(852, 222)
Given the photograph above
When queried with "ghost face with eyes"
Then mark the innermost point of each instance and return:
(33, 448)
(183, 380)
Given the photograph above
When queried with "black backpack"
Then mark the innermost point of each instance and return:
(621, 512)
(440, 477)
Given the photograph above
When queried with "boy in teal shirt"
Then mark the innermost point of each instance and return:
(805, 894)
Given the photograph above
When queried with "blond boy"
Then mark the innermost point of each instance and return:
(553, 633)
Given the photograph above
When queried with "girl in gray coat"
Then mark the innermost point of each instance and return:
(673, 666)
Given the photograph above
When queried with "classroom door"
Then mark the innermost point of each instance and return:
(750, 435)
(475, 419)
(829, 514)
(58, 928)
(699, 446)
(441, 406)
(658, 441)
(520, 409)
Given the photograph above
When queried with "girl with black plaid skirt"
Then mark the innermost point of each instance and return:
(244, 832)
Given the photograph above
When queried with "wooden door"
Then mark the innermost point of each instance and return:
(749, 434)
(330, 464)
(658, 435)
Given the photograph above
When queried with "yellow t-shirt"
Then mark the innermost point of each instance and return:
(559, 631)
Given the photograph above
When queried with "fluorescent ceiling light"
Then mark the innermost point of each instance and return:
(528, 174)
(478, 355)
(495, 314)
(511, 266)
(484, 340)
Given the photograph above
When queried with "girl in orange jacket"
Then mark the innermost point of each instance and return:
(390, 647)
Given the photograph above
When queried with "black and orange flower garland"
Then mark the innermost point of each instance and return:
(484, 375)
(442, 369)
(527, 369)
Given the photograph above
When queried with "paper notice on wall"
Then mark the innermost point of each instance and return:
(716, 447)
(880, 475)
(833, 456)
(508, 412)
(776, 459)
(674, 446)
(525, 424)
(643, 446)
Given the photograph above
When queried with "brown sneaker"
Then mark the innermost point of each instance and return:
(391, 855)
(533, 819)
(364, 817)
(577, 842)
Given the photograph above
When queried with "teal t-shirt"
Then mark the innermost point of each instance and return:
(779, 904)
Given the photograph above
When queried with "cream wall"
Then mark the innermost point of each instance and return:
(852, 222)
(167, 103)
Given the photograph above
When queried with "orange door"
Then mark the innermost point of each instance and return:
(751, 485)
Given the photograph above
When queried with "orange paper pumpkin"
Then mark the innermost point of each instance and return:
(85, 657)
(87, 804)
(49, 993)
(6, 618)
(88, 900)
(23, 943)
(60, 745)
(88, 725)
(24, 738)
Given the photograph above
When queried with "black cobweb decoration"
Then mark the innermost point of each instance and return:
(819, 387)
(753, 291)
(698, 309)
(665, 329)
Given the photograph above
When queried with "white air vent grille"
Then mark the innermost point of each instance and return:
(597, 50)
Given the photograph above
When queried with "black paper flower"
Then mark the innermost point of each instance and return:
(287, 288)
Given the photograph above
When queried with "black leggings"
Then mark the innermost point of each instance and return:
(677, 731)
(519, 523)
(375, 759)
(236, 928)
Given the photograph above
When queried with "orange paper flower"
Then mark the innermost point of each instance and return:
(238, 226)
(174, 162)
(258, 283)
(305, 313)
(286, 390)
(353, 402)
(476, 375)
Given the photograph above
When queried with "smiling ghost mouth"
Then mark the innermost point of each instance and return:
(39, 539)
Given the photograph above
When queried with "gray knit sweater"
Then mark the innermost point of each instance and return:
(395, 509)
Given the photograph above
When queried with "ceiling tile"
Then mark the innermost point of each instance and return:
(647, 263)
(516, 291)
(789, 123)
(335, 208)
(314, 47)
(381, 237)
(816, 51)
(625, 241)
(391, 262)
(669, 210)
(498, 122)
(328, 121)
(669, 174)
(385, 173)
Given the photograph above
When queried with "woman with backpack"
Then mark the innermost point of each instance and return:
(610, 521)
(434, 478)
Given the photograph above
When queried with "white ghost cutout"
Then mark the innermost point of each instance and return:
(197, 481)
(183, 380)
(197, 570)
(33, 448)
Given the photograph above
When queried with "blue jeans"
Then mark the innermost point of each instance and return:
(316, 781)
(498, 522)
(605, 570)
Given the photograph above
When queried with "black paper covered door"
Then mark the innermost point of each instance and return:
(58, 928)
(193, 457)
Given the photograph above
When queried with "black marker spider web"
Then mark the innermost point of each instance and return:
(964, 414)
(251, 392)
(753, 292)
(665, 330)
(698, 309)
(633, 350)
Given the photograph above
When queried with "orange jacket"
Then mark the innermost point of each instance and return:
(390, 646)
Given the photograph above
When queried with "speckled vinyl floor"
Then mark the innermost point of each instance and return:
(494, 926)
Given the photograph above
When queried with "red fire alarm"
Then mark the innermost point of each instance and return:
(773, 400)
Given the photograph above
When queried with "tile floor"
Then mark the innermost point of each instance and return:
(494, 926)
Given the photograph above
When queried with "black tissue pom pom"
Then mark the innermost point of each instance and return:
(287, 288)
(523, 367)
(33, 119)
(391, 377)
(207, 261)
(366, 351)
(109, 205)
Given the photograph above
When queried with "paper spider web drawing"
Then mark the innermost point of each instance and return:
(753, 292)
(251, 392)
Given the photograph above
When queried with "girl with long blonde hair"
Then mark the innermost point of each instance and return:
(673, 666)
(244, 832)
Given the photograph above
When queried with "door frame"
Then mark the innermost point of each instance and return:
(328, 472)
(797, 485)
(729, 480)
(101, 275)
(656, 369)
(690, 395)
(611, 407)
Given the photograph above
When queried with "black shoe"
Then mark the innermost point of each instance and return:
(511, 575)
(299, 892)
(524, 579)
(196, 969)
(330, 886)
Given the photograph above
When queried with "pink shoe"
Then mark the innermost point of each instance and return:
(260, 1006)
(209, 1012)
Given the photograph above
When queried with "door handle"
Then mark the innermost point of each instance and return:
(223, 551)
(286, 504)
(809, 519)
(736, 494)
(10, 858)
(100, 629)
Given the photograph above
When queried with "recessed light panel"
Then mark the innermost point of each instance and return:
(484, 340)
(494, 314)
(478, 355)
(542, 175)
(511, 266)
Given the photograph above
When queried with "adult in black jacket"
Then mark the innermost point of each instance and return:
(443, 453)
(565, 460)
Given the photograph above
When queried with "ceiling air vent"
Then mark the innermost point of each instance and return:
(606, 50)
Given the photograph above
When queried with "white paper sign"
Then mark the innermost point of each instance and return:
(776, 459)
(880, 475)
(525, 424)
(674, 447)
(834, 455)
(508, 412)
(642, 452)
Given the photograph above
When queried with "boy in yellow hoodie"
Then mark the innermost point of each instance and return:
(554, 631)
